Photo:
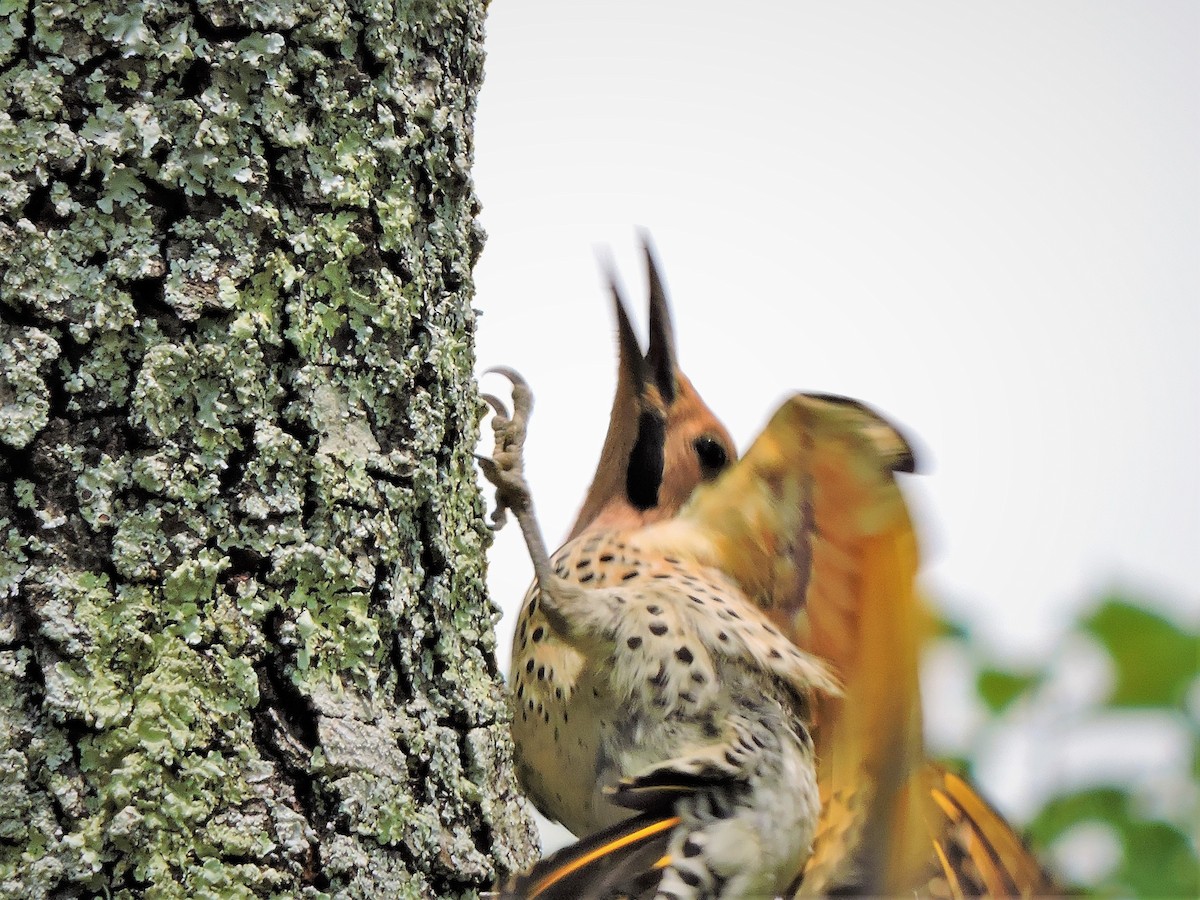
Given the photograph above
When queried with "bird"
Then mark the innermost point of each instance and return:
(891, 819)
(702, 707)
(662, 442)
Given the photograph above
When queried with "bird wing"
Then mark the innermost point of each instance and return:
(978, 851)
(614, 859)
(813, 527)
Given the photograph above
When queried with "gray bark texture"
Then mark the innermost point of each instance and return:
(245, 646)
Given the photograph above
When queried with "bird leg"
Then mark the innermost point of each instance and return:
(505, 470)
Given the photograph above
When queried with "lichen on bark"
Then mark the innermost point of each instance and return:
(245, 648)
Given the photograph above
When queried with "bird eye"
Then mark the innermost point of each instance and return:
(711, 454)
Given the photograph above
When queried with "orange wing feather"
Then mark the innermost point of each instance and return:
(813, 526)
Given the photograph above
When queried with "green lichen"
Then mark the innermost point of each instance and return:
(24, 396)
(244, 645)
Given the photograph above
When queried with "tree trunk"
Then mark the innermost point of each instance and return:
(245, 648)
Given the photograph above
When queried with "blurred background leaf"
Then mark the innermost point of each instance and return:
(1156, 660)
(1000, 689)
(1100, 837)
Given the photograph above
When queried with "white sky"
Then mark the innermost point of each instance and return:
(982, 219)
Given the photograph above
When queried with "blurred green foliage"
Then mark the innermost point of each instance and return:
(1156, 660)
(1155, 664)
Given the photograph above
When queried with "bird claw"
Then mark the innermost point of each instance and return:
(522, 394)
(496, 404)
(505, 467)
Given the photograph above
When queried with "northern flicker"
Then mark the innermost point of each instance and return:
(890, 820)
(700, 708)
(662, 442)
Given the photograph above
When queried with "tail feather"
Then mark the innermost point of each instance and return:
(604, 865)
(979, 852)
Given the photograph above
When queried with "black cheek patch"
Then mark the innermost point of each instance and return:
(644, 475)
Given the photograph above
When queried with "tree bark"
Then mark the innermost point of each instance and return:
(245, 646)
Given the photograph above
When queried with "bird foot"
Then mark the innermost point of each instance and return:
(506, 471)
(505, 467)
